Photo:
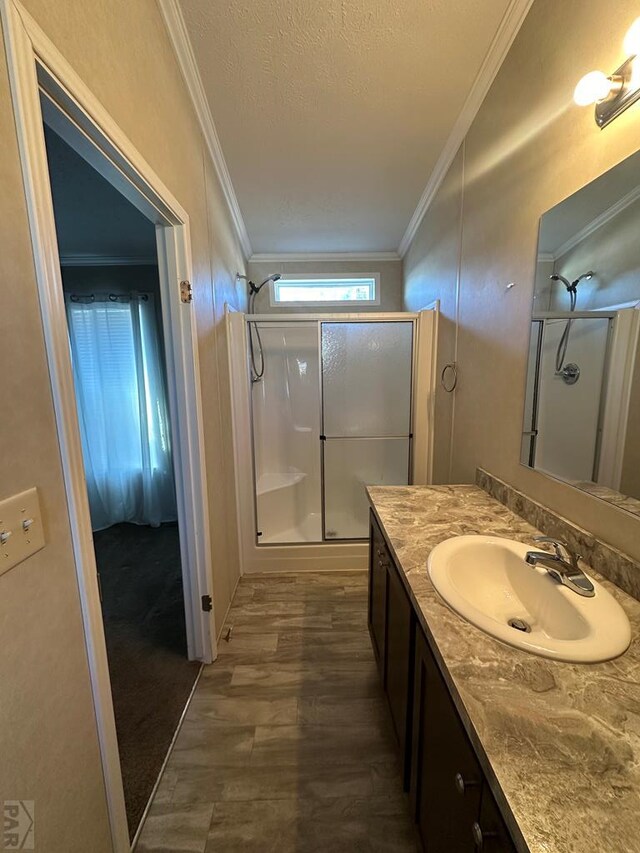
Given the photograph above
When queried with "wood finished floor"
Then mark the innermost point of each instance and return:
(287, 745)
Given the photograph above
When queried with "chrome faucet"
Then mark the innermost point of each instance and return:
(562, 565)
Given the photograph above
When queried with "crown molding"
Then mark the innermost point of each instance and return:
(179, 36)
(597, 223)
(503, 39)
(319, 257)
(90, 260)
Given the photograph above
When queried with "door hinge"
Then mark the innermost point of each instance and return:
(186, 292)
(207, 603)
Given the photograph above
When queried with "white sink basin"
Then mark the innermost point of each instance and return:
(487, 581)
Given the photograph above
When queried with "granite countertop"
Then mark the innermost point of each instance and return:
(559, 742)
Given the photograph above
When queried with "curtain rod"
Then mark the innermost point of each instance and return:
(107, 297)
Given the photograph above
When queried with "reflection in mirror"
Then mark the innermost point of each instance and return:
(582, 399)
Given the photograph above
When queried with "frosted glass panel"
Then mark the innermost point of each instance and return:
(286, 430)
(366, 375)
(350, 465)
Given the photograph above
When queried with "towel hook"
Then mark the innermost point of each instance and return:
(453, 367)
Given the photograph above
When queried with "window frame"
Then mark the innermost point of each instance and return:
(326, 277)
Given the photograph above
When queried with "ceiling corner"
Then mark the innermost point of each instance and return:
(502, 41)
(177, 30)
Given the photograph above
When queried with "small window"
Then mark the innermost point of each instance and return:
(326, 290)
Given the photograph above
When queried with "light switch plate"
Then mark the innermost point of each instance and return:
(21, 531)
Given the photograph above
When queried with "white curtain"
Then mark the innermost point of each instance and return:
(122, 408)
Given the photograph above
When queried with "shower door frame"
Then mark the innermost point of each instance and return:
(329, 555)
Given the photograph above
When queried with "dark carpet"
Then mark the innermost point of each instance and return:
(151, 678)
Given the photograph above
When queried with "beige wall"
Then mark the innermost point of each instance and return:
(390, 283)
(528, 148)
(48, 739)
(612, 253)
(431, 273)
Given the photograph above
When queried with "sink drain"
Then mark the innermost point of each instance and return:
(520, 625)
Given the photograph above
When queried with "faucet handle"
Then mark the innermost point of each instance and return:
(552, 541)
(558, 547)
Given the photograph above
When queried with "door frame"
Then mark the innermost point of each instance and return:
(34, 63)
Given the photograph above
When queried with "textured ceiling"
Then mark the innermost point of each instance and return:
(332, 114)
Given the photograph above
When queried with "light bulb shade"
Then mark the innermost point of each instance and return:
(594, 86)
(632, 39)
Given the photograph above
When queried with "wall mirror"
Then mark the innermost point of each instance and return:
(582, 400)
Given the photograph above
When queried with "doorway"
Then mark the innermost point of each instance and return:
(44, 87)
(111, 287)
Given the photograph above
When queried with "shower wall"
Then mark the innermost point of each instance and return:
(286, 427)
(390, 273)
(569, 415)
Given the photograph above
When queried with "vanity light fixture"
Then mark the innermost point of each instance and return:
(612, 95)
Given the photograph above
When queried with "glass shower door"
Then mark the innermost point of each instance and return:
(366, 417)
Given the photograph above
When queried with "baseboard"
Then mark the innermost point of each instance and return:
(296, 572)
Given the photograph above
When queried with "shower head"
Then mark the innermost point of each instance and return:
(256, 288)
(276, 276)
(572, 285)
(565, 281)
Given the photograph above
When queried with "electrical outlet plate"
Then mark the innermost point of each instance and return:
(21, 519)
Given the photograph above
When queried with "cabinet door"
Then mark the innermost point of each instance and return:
(399, 661)
(377, 592)
(490, 831)
(446, 779)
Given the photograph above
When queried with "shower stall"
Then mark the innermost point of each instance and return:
(336, 409)
(574, 423)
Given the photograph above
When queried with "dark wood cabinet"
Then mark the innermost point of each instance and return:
(378, 562)
(490, 831)
(398, 663)
(391, 628)
(446, 778)
(451, 801)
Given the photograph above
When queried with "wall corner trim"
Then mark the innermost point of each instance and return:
(502, 41)
(177, 30)
(598, 222)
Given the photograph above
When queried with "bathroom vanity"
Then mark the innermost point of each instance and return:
(501, 750)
